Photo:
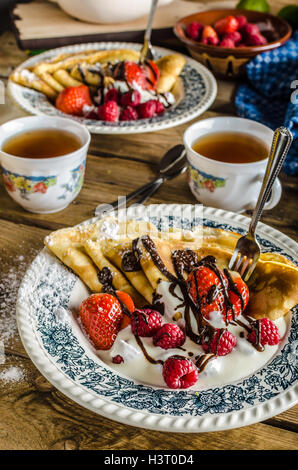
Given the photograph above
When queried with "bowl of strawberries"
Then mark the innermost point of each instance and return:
(225, 40)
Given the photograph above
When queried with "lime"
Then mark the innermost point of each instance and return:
(290, 14)
(256, 5)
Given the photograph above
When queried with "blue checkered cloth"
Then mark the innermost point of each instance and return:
(271, 94)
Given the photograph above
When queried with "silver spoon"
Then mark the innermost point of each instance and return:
(147, 52)
(171, 165)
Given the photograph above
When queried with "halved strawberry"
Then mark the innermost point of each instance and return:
(205, 287)
(212, 291)
(100, 315)
(235, 299)
(135, 75)
(73, 99)
(128, 302)
(208, 32)
(152, 74)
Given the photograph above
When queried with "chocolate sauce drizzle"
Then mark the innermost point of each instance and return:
(147, 356)
(105, 277)
(187, 261)
(131, 259)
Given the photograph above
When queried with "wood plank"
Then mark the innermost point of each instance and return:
(110, 177)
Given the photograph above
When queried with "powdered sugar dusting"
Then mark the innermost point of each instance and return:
(12, 374)
(10, 279)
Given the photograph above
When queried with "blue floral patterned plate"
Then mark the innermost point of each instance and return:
(195, 91)
(63, 355)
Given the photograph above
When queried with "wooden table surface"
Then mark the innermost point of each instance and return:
(35, 415)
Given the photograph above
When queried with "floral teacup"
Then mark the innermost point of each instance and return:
(231, 186)
(44, 185)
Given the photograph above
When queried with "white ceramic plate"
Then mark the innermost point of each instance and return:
(195, 91)
(63, 355)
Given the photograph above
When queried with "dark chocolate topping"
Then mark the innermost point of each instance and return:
(151, 248)
(105, 277)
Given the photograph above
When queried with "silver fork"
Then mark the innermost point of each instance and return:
(147, 52)
(247, 251)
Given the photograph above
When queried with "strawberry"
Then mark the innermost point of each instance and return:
(135, 75)
(201, 282)
(128, 302)
(208, 32)
(152, 74)
(100, 315)
(234, 298)
(228, 24)
(73, 99)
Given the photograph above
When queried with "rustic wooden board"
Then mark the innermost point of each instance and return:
(46, 31)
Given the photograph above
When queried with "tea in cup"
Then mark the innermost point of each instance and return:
(227, 159)
(43, 161)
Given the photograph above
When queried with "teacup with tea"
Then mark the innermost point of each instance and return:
(43, 161)
(227, 158)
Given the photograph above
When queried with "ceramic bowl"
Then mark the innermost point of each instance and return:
(230, 62)
(112, 11)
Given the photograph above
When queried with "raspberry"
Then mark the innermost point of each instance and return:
(213, 41)
(92, 114)
(145, 322)
(242, 21)
(255, 40)
(269, 333)
(193, 30)
(131, 98)
(129, 114)
(112, 95)
(169, 336)
(222, 343)
(180, 372)
(227, 43)
(159, 107)
(117, 359)
(235, 37)
(108, 111)
(147, 110)
(250, 28)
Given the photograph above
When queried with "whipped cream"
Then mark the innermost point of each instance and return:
(240, 363)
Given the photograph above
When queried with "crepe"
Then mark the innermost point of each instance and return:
(170, 67)
(139, 256)
(52, 76)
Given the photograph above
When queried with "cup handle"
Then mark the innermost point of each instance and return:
(275, 195)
